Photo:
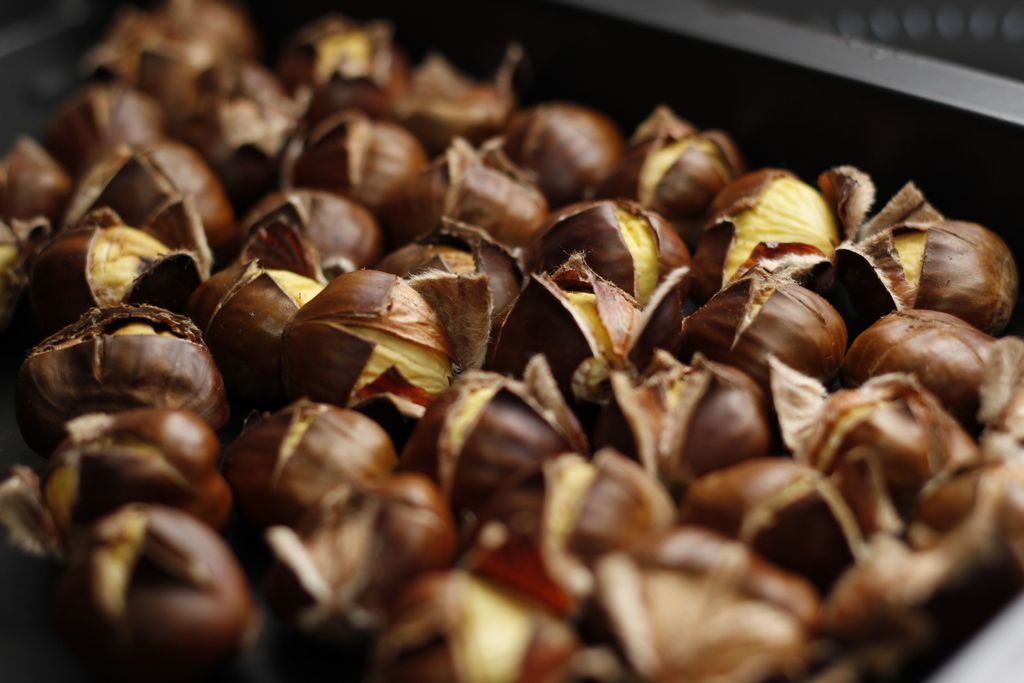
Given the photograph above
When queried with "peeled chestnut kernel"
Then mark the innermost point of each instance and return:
(632, 247)
(544, 543)
(152, 594)
(773, 220)
(945, 354)
(139, 184)
(786, 511)
(565, 148)
(99, 118)
(673, 169)
(19, 243)
(283, 464)
(370, 162)
(681, 422)
(367, 335)
(341, 64)
(243, 311)
(760, 316)
(344, 233)
(487, 430)
(103, 262)
(115, 359)
(591, 327)
(909, 256)
(443, 104)
(460, 628)
(476, 186)
(32, 184)
(744, 620)
(463, 250)
(340, 570)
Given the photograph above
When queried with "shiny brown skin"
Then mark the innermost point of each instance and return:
(243, 312)
(479, 187)
(225, 24)
(798, 326)
(32, 183)
(338, 447)
(84, 369)
(803, 535)
(346, 235)
(945, 354)
(178, 467)
(322, 360)
(99, 118)
(425, 655)
(593, 229)
(389, 157)
(391, 532)
(567, 148)
(187, 605)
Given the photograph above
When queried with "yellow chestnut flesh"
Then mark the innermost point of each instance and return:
(568, 492)
(118, 255)
(465, 414)
(585, 304)
(659, 163)
(425, 368)
(492, 636)
(300, 288)
(910, 247)
(643, 247)
(354, 48)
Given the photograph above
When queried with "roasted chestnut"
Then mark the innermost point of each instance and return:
(673, 169)
(341, 64)
(445, 627)
(443, 104)
(337, 573)
(283, 464)
(786, 511)
(103, 262)
(344, 233)
(139, 184)
(488, 430)
(944, 353)
(759, 316)
(152, 594)
(368, 334)
(32, 184)
(624, 243)
(480, 187)
(744, 620)
(242, 312)
(681, 422)
(99, 118)
(565, 148)
(115, 359)
(19, 243)
(1002, 392)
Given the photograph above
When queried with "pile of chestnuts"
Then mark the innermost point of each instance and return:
(527, 400)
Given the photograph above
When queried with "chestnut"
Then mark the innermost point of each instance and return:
(675, 170)
(367, 334)
(99, 118)
(115, 359)
(19, 243)
(103, 262)
(591, 327)
(345, 234)
(786, 511)
(624, 243)
(772, 219)
(32, 184)
(761, 315)
(681, 422)
(370, 162)
(944, 353)
(139, 183)
(283, 464)
(152, 594)
(566, 148)
(242, 312)
(443, 104)
(340, 64)
(278, 244)
(1002, 392)
(487, 430)
(338, 572)
(445, 627)
(690, 605)
(480, 187)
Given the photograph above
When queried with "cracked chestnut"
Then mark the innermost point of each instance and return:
(32, 184)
